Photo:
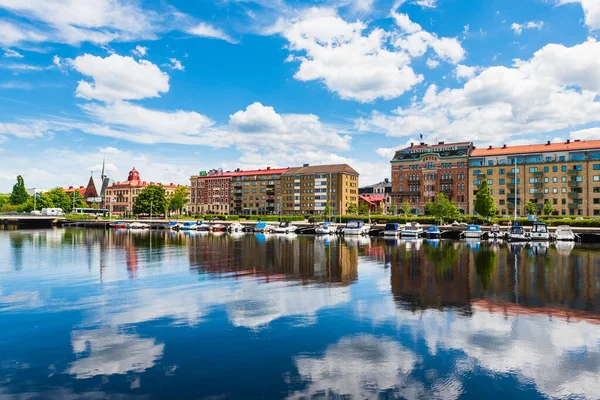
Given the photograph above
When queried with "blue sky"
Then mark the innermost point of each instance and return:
(176, 87)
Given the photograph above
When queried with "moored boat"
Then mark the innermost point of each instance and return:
(564, 233)
(495, 232)
(218, 228)
(325, 228)
(119, 225)
(392, 229)
(411, 229)
(472, 231)
(235, 227)
(138, 225)
(539, 232)
(433, 232)
(172, 225)
(285, 227)
(356, 227)
(188, 226)
(201, 226)
(262, 227)
(517, 234)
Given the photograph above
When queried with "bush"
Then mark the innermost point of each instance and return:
(220, 217)
(274, 218)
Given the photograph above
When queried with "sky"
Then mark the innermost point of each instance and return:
(174, 87)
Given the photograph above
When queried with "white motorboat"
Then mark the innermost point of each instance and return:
(564, 233)
(138, 225)
(472, 232)
(235, 227)
(189, 226)
(412, 229)
(539, 232)
(517, 234)
(392, 229)
(285, 227)
(496, 232)
(201, 226)
(325, 228)
(356, 227)
(263, 227)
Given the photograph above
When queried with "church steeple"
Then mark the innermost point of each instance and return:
(103, 176)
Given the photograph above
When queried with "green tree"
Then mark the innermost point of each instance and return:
(548, 207)
(77, 200)
(179, 198)
(363, 209)
(393, 209)
(4, 199)
(327, 211)
(406, 207)
(19, 193)
(152, 199)
(484, 202)
(56, 198)
(352, 209)
(442, 208)
(531, 208)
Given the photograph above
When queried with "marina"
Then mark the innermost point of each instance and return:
(130, 313)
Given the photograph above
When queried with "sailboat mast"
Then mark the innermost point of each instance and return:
(515, 178)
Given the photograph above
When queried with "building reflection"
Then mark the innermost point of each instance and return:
(276, 257)
(540, 277)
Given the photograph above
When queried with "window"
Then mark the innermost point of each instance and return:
(578, 179)
(490, 172)
(477, 182)
(596, 201)
(545, 169)
(596, 178)
(476, 172)
(515, 170)
(555, 169)
(545, 180)
(596, 167)
(501, 181)
(563, 179)
(563, 190)
(596, 189)
(563, 168)
(501, 191)
(501, 171)
(546, 190)
(489, 181)
(533, 169)
(555, 190)
(555, 179)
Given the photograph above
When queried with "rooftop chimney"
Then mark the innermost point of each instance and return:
(305, 165)
(504, 146)
(440, 142)
(568, 141)
(489, 148)
(412, 144)
(268, 168)
(422, 143)
(548, 144)
(577, 140)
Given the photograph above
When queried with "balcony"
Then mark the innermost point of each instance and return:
(573, 172)
(573, 205)
(513, 181)
(479, 175)
(573, 184)
(573, 195)
(537, 174)
(538, 184)
(238, 200)
(538, 195)
(446, 180)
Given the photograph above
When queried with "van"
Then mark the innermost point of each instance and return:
(54, 212)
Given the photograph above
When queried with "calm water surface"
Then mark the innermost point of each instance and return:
(93, 314)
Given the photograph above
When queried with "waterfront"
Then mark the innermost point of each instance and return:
(107, 314)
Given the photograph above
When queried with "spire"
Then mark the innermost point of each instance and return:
(103, 176)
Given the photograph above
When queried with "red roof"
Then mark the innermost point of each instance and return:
(267, 171)
(537, 148)
(71, 189)
(372, 198)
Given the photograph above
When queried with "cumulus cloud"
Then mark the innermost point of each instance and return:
(465, 72)
(350, 62)
(119, 78)
(257, 118)
(140, 51)
(585, 134)
(208, 31)
(591, 10)
(518, 28)
(11, 34)
(175, 64)
(556, 89)
(426, 3)
(24, 130)
(432, 63)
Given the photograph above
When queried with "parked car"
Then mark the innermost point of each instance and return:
(36, 213)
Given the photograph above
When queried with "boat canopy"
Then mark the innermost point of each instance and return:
(539, 227)
(433, 228)
(284, 224)
(473, 228)
(261, 225)
(392, 226)
(517, 230)
(189, 223)
(354, 224)
(563, 228)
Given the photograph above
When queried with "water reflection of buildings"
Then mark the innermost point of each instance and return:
(531, 277)
(276, 258)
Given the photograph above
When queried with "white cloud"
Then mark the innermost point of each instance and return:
(24, 131)
(556, 89)
(465, 72)
(586, 134)
(109, 352)
(257, 118)
(176, 64)
(75, 21)
(11, 34)
(591, 10)
(119, 78)
(417, 41)
(432, 63)
(140, 51)
(10, 53)
(426, 3)
(209, 31)
(353, 64)
(362, 6)
(518, 28)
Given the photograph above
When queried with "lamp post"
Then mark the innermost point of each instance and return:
(150, 209)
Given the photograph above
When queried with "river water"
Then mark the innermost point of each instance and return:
(95, 314)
